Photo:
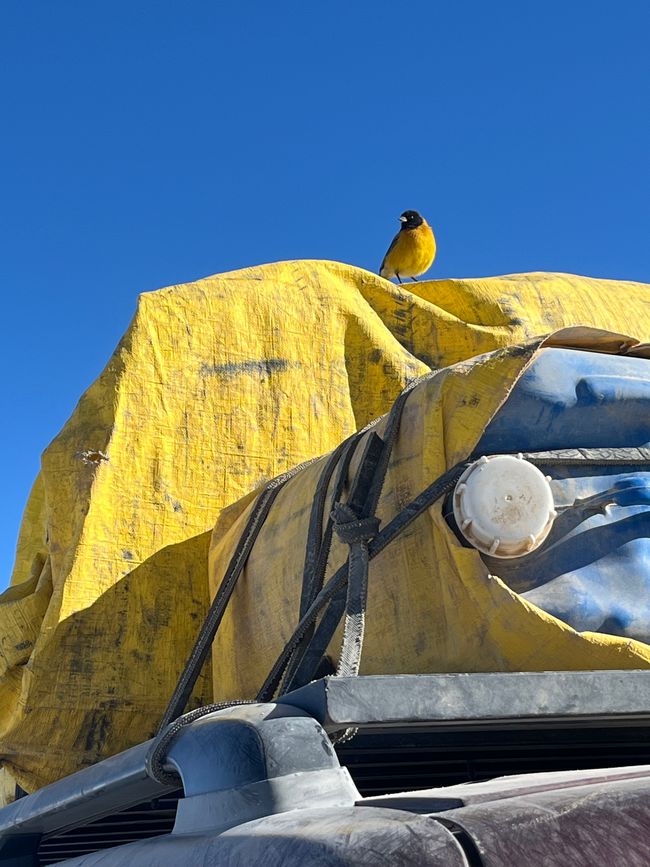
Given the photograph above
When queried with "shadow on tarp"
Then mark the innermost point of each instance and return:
(115, 675)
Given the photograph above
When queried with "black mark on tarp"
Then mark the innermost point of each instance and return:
(263, 367)
(97, 726)
(176, 506)
(517, 351)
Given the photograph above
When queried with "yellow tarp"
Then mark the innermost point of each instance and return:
(432, 604)
(217, 386)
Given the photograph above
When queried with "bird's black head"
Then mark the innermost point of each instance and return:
(410, 220)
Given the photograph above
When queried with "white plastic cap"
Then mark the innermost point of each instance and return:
(504, 506)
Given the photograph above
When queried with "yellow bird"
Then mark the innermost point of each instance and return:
(412, 250)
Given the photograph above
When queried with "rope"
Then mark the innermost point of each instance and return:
(155, 759)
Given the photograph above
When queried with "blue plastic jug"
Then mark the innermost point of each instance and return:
(593, 570)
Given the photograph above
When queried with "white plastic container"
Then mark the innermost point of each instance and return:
(504, 506)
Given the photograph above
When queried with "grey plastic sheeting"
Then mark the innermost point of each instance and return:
(344, 837)
(523, 823)
(607, 824)
(498, 788)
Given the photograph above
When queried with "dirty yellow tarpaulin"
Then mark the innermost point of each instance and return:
(217, 386)
(432, 604)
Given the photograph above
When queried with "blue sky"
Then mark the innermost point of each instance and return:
(148, 143)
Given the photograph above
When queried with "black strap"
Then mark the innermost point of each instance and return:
(413, 510)
(355, 525)
(319, 543)
(390, 435)
(313, 645)
(357, 533)
(625, 455)
(203, 643)
(309, 650)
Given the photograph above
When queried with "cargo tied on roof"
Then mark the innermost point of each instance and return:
(217, 387)
(438, 598)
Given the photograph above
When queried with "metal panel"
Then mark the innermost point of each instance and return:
(104, 788)
(515, 698)
(343, 837)
(465, 794)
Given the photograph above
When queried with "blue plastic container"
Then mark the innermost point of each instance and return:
(593, 571)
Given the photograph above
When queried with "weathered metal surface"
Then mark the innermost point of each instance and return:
(477, 699)
(263, 785)
(248, 761)
(347, 837)
(235, 764)
(99, 790)
(248, 743)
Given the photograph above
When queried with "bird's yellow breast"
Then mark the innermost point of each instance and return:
(412, 254)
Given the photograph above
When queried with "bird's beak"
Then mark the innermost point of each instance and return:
(402, 219)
